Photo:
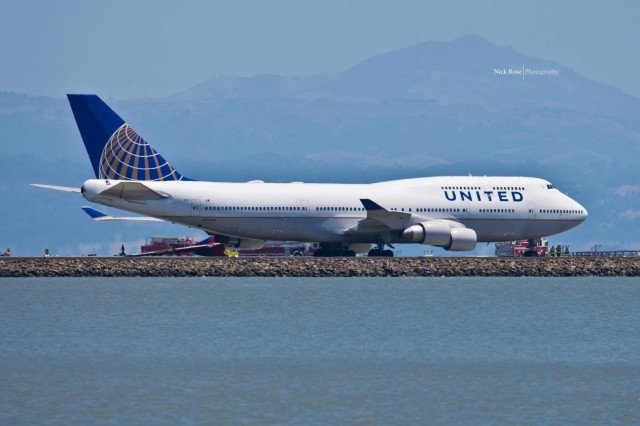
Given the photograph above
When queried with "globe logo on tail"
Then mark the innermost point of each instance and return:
(127, 156)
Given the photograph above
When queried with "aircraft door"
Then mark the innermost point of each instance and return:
(304, 208)
(465, 210)
(532, 210)
(196, 207)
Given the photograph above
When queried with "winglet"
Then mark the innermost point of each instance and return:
(371, 205)
(391, 219)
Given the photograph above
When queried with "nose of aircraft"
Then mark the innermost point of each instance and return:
(585, 213)
(574, 209)
(581, 211)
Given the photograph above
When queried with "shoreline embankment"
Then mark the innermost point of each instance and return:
(318, 267)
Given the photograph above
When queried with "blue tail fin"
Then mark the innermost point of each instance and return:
(116, 151)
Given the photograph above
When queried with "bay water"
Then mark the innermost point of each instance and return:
(316, 351)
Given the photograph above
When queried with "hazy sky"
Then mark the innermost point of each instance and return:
(131, 49)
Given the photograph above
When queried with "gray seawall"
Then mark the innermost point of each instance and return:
(318, 267)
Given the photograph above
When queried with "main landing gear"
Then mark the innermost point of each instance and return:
(333, 250)
(338, 250)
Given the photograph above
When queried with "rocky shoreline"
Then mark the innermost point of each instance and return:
(318, 267)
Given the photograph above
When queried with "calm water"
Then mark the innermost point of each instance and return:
(320, 351)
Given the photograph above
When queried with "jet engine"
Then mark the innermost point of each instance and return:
(462, 239)
(441, 235)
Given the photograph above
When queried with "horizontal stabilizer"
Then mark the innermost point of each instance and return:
(99, 216)
(95, 214)
(57, 188)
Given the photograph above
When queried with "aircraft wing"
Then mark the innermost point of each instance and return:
(57, 188)
(380, 220)
(388, 218)
(99, 216)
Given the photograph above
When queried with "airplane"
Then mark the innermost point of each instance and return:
(452, 212)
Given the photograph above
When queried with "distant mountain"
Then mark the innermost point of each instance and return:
(432, 99)
(432, 108)
(458, 72)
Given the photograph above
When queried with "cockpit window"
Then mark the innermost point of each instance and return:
(549, 186)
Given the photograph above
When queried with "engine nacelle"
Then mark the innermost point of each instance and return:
(249, 244)
(432, 233)
(462, 239)
(441, 235)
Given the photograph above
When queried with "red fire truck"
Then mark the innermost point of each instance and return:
(521, 248)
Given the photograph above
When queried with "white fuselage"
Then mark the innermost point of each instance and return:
(496, 208)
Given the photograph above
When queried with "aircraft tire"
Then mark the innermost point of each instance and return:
(373, 253)
(320, 253)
